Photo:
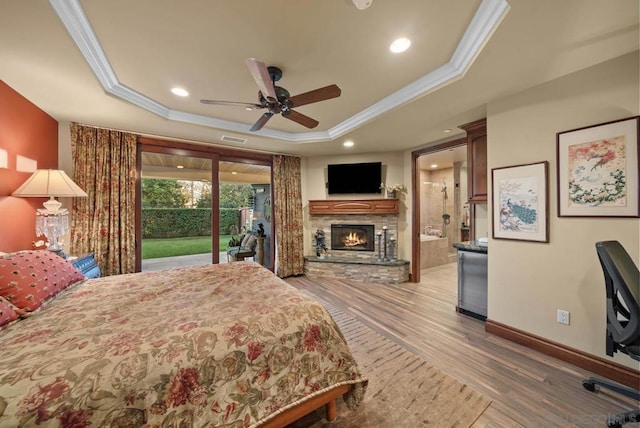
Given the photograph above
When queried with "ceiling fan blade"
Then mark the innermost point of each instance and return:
(321, 94)
(300, 118)
(231, 103)
(260, 123)
(261, 75)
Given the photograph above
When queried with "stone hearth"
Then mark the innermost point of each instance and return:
(392, 272)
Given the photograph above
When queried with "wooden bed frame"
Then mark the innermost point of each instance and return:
(327, 399)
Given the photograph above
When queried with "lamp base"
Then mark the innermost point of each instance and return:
(59, 252)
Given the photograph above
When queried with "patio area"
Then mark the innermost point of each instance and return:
(180, 261)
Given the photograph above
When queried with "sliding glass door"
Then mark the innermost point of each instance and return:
(176, 210)
(195, 202)
(245, 209)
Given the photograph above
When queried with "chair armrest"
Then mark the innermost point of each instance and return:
(241, 251)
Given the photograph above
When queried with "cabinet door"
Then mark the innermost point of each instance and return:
(477, 151)
(476, 160)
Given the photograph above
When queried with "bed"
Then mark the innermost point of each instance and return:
(225, 345)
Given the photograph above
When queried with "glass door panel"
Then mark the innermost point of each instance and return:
(176, 210)
(245, 207)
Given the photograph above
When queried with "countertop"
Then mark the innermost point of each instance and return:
(472, 246)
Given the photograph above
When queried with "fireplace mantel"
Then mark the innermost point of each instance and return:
(351, 206)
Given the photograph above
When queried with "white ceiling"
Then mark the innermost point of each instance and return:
(112, 63)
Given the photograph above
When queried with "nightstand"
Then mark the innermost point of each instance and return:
(86, 264)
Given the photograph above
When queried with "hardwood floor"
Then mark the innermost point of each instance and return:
(527, 388)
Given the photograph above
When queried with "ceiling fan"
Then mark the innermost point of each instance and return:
(276, 99)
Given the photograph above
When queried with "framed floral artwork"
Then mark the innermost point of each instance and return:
(520, 201)
(598, 170)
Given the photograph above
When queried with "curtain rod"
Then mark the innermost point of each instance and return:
(183, 140)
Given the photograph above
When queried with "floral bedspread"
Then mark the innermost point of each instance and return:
(218, 346)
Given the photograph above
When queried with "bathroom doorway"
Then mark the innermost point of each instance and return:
(441, 212)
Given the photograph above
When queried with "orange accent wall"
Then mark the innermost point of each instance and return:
(27, 131)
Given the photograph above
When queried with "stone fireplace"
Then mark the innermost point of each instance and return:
(353, 237)
(337, 249)
(347, 224)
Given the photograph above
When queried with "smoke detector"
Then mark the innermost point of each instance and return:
(362, 4)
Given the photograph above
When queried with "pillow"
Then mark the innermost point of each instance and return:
(245, 239)
(251, 242)
(29, 278)
(8, 312)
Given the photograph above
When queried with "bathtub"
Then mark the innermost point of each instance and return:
(434, 251)
(425, 237)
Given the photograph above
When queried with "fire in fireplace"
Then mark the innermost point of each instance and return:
(353, 237)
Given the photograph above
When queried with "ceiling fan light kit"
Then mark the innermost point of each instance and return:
(276, 99)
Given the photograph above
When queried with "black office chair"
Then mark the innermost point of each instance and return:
(622, 282)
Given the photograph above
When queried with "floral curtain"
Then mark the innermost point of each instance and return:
(104, 164)
(287, 193)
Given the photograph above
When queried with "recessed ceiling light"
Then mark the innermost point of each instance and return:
(446, 131)
(179, 166)
(233, 173)
(434, 165)
(180, 92)
(400, 45)
(362, 4)
(348, 143)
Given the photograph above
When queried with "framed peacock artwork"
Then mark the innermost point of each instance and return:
(520, 202)
(598, 170)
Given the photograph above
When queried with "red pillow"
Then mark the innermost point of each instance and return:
(29, 278)
(7, 312)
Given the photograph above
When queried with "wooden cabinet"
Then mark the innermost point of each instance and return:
(476, 160)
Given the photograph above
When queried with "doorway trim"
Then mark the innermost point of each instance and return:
(415, 196)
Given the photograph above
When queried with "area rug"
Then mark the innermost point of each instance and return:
(404, 390)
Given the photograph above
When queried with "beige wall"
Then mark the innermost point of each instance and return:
(529, 281)
(314, 177)
(65, 160)
(483, 225)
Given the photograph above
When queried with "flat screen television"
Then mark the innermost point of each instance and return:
(354, 178)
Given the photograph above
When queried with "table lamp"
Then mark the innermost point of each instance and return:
(52, 221)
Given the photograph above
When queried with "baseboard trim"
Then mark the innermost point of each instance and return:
(608, 369)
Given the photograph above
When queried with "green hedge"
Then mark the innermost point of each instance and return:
(229, 221)
(181, 222)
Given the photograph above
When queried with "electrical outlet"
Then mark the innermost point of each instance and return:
(563, 317)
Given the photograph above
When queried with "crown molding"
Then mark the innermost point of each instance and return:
(482, 26)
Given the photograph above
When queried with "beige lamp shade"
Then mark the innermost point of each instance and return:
(47, 183)
(53, 220)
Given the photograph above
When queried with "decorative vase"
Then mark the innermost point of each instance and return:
(391, 194)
